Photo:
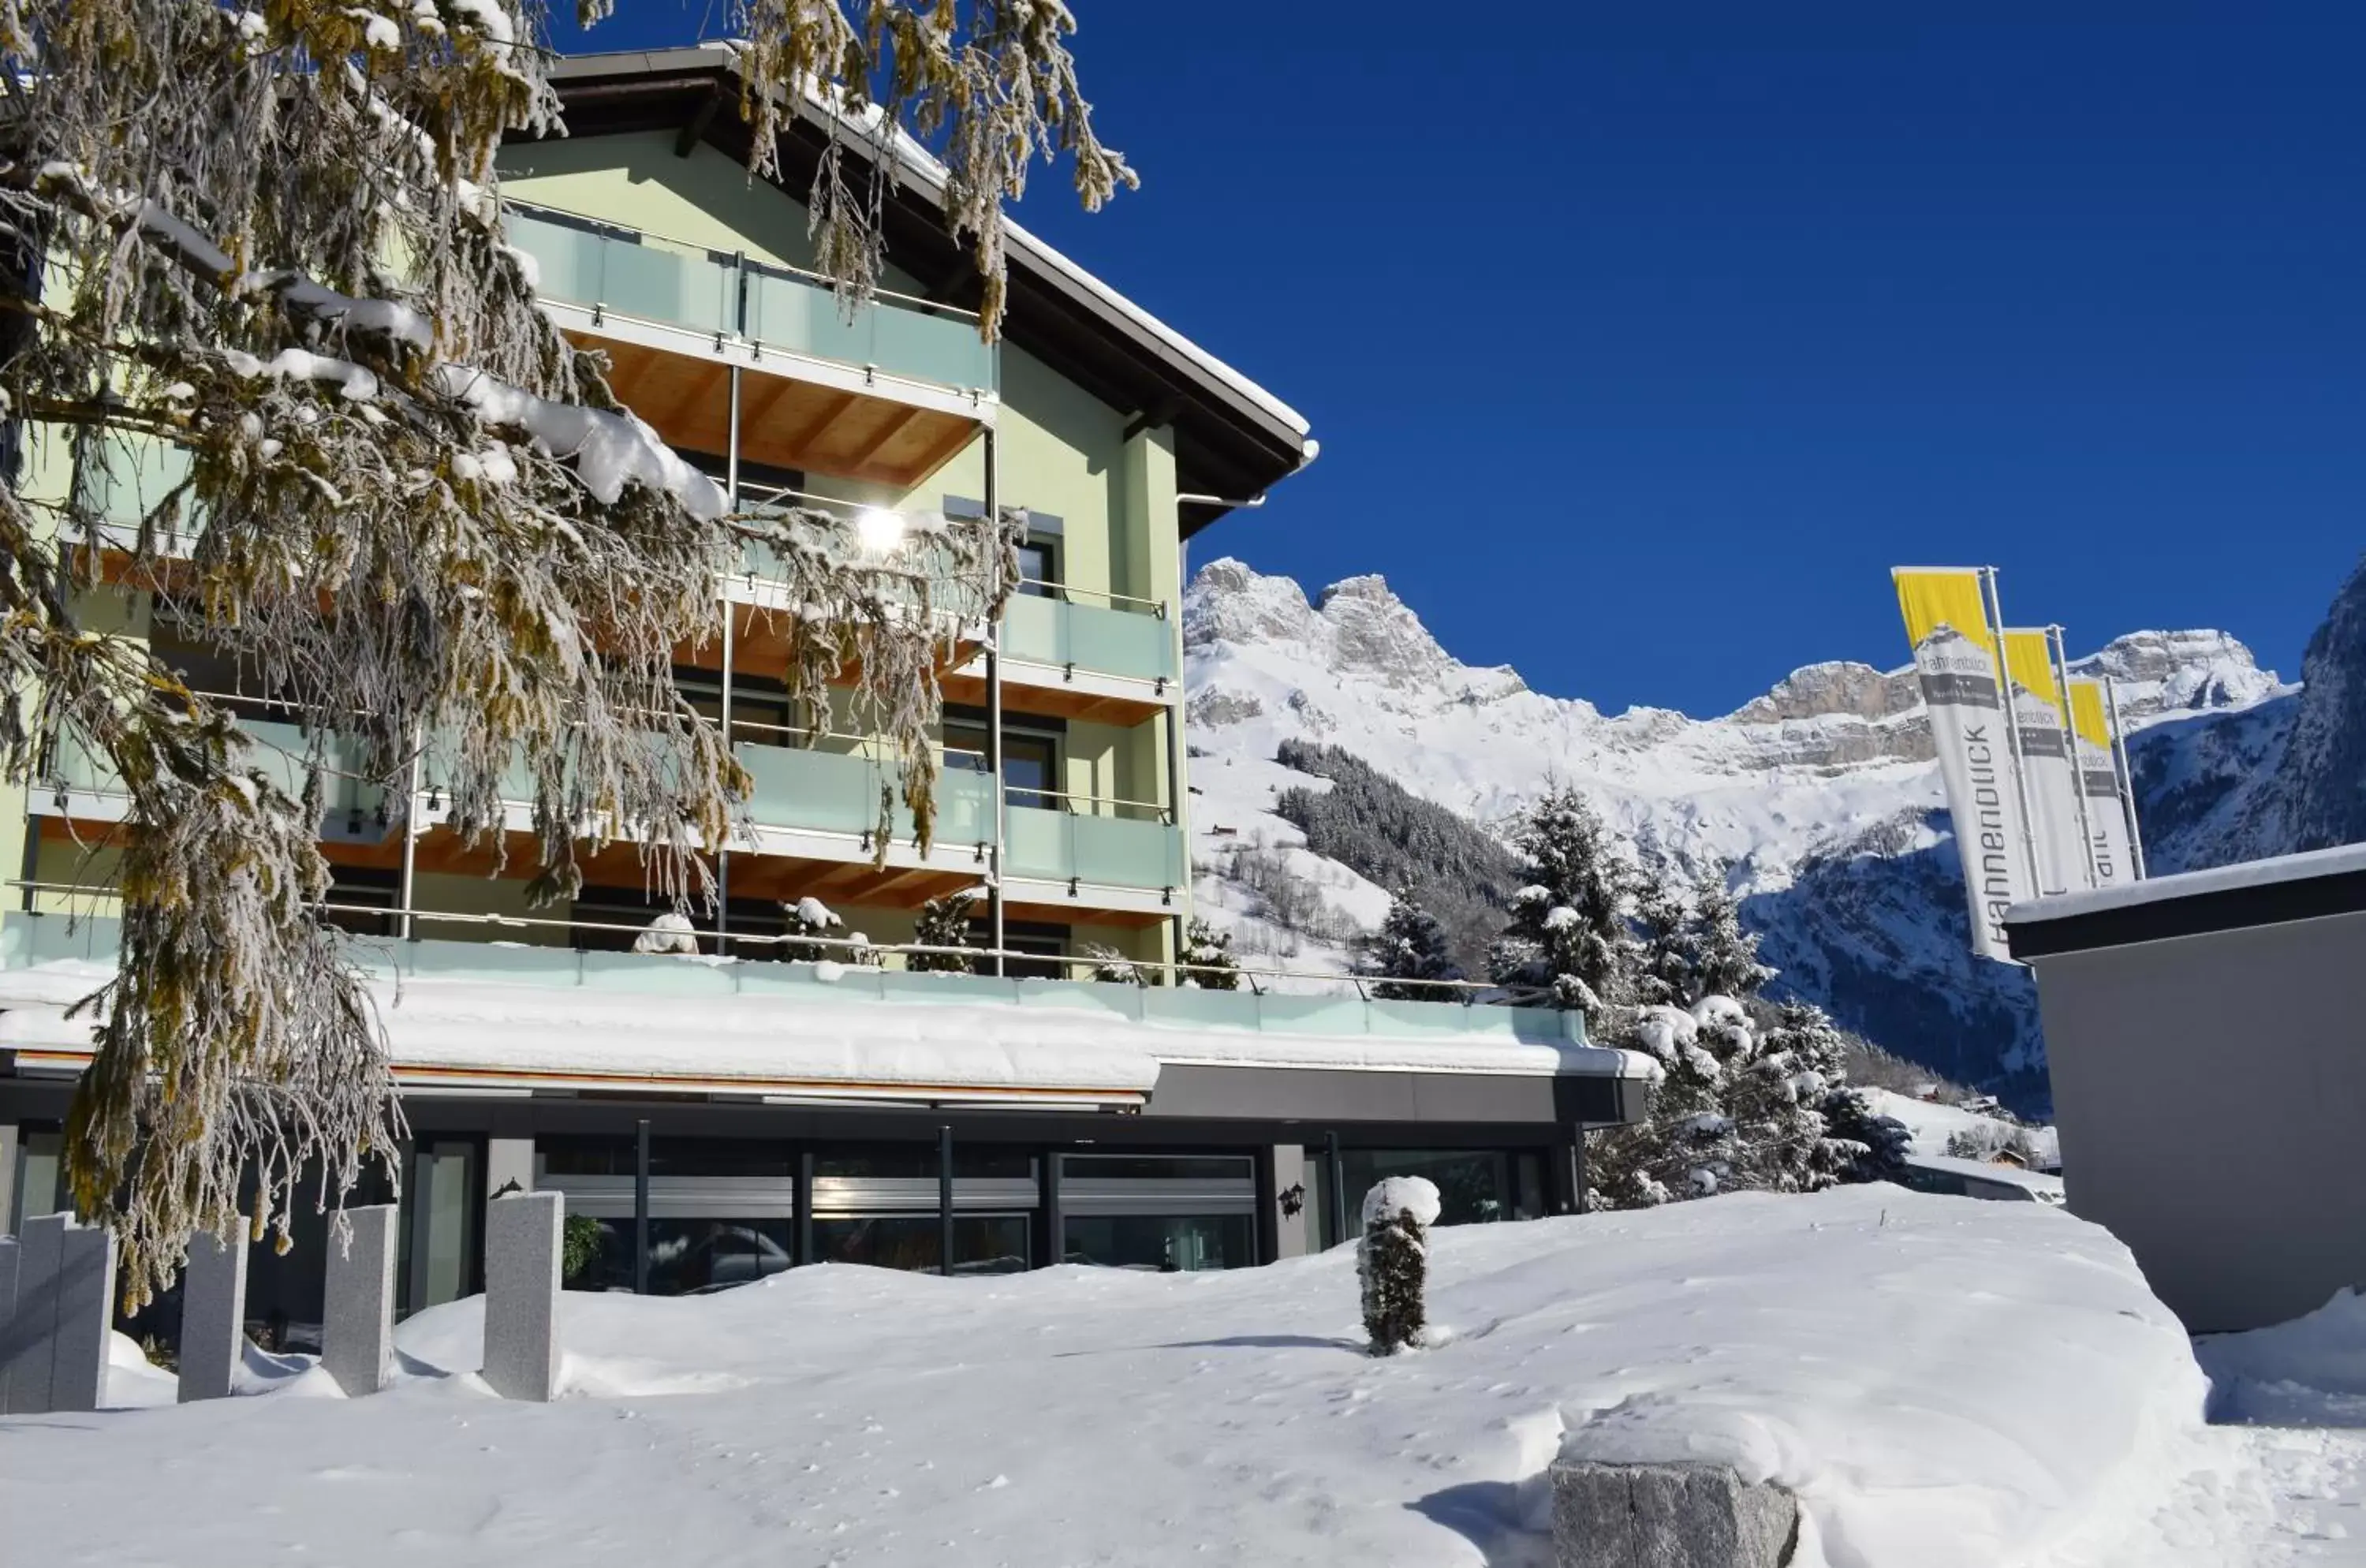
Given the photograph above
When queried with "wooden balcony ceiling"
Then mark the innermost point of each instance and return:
(760, 647)
(1064, 702)
(784, 421)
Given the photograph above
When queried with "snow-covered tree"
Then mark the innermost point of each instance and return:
(1112, 967)
(945, 923)
(1568, 937)
(1208, 951)
(271, 236)
(1410, 945)
(1663, 959)
(668, 931)
(1392, 1261)
(1724, 955)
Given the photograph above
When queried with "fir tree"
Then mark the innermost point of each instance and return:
(944, 922)
(1392, 1261)
(1112, 967)
(1663, 964)
(1410, 945)
(1724, 955)
(272, 236)
(1208, 954)
(1568, 935)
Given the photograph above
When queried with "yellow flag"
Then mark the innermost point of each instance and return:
(2029, 657)
(1931, 597)
(2087, 714)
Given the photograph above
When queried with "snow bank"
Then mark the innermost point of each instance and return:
(2310, 1372)
(1944, 1382)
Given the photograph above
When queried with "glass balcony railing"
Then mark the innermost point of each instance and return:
(29, 939)
(838, 792)
(1106, 639)
(1112, 851)
(667, 283)
(279, 751)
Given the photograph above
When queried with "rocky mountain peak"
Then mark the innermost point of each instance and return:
(1838, 688)
(2157, 673)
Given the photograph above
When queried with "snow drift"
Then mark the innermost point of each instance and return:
(1943, 1382)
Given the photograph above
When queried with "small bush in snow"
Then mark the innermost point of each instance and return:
(1392, 1261)
(1112, 967)
(1210, 953)
(811, 917)
(944, 922)
(668, 932)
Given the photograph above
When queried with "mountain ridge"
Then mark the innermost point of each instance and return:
(1820, 795)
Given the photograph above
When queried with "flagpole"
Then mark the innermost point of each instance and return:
(2127, 776)
(2011, 726)
(2061, 658)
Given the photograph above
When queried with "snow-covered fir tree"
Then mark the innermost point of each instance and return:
(1724, 955)
(1410, 945)
(1392, 1261)
(1209, 954)
(1664, 962)
(1567, 938)
(1111, 967)
(272, 236)
(945, 923)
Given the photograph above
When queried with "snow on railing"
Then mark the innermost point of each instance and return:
(858, 951)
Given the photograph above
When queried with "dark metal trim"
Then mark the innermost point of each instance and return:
(2190, 914)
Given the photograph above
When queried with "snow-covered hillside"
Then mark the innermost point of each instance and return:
(1821, 794)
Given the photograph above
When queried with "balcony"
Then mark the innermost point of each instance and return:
(83, 786)
(1342, 1014)
(887, 392)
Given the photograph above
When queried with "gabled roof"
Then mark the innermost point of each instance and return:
(1233, 438)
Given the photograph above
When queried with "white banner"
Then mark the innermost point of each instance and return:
(1955, 657)
(2107, 812)
(2056, 818)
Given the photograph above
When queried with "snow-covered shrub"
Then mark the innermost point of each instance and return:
(668, 932)
(1208, 951)
(1392, 1261)
(1112, 967)
(811, 918)
(944, 922)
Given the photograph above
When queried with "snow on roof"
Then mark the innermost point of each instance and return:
(2033, 1181)
(2192, 884)
(798, 1031)
(923, 169)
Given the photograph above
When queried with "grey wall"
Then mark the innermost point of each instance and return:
(2211, 1092)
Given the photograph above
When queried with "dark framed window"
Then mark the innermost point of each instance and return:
(1030, 762)
(358, 888)
(1039, 569)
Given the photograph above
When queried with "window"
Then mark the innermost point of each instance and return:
(1030, 762)
(354, 888)
(689, 1256)
(1473, 1185)
(1039, 569)
(983, 1244)
(1164, 1244)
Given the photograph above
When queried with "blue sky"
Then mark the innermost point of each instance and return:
(1642, 341)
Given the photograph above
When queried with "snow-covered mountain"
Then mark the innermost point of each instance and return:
(1822, 795)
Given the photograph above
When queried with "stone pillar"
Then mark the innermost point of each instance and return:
(213, 1315)
(1669, 1515)
(85, 1318)
(11, 1142)
(1286, 1208)
(357, 1328)
(28, 1348)
(508, 1161)
(521, 1246)
(10, 1250)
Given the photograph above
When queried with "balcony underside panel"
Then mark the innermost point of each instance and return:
(784, 421)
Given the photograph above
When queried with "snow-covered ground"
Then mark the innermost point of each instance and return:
(1944, 1381)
